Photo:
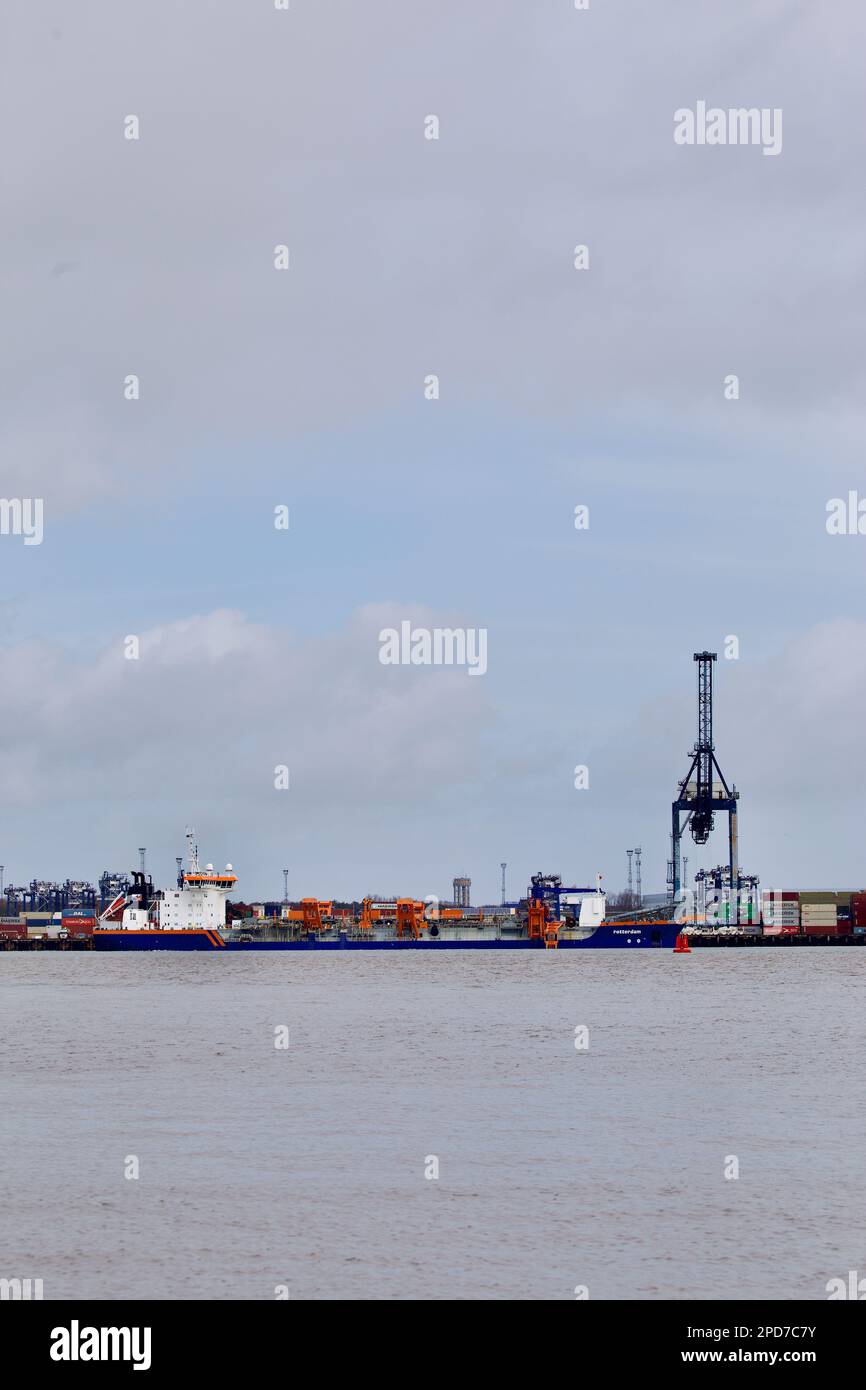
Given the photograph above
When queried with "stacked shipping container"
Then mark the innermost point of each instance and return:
(818, 914)
(780, 912)
(78, 922)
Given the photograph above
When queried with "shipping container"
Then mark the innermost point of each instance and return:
(858, 909)
(817, 898)
(78, 926)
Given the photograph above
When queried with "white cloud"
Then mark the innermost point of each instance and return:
(197, 725)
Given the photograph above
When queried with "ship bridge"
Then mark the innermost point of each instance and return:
(198, 876)
(209, 878)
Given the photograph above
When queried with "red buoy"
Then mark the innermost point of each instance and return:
(682, 947)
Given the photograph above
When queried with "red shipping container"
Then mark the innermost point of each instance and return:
(78, 926)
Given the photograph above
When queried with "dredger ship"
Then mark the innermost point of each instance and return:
(193, 917)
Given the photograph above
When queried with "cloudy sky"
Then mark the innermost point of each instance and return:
(305, 388)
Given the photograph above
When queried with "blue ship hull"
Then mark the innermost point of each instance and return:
(609, 936)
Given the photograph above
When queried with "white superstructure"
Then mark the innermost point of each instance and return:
(198, 901)
(200, 898)
(593, 907)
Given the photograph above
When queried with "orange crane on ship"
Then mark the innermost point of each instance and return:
(541, 925)
(407, 914)
(311, 915)
(410, 917)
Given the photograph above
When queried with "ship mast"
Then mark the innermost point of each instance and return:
(192, 850)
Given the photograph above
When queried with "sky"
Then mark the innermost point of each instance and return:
(261, 388)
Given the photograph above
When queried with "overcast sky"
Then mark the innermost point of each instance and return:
(603, 387)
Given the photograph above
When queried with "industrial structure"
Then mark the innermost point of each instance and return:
(699, 797)
(462, 890)
(634, 894)
(716, 904)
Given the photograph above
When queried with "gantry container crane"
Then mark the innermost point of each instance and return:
(698, 797)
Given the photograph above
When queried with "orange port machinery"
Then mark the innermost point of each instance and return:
(312, 915)
(406, 913)
(541, 926)
(410, 917)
